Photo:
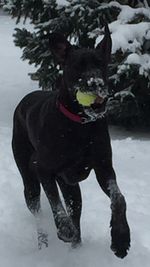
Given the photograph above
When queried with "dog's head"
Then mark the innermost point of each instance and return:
(84, 71)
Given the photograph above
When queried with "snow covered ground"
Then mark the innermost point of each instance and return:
(18, 245)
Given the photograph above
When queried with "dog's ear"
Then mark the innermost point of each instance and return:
(59, 46)
(104, 47)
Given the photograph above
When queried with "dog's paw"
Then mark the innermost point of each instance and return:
(66, 230)
(120, 242)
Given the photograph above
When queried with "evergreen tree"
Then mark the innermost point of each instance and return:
(81, 22)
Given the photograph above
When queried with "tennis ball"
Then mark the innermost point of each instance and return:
(85, 99)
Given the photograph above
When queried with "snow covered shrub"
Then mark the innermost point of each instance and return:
(81, 21)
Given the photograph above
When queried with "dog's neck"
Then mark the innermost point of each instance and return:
(66, 99)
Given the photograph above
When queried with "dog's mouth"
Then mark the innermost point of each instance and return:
(99, 104)
(91, 100)
(94, 105)
(92, 95)
(91, 91)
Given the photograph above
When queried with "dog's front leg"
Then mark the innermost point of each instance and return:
(120, 232)
(73, 201)
(64, 225)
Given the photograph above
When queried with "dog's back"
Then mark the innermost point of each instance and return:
(30, 112)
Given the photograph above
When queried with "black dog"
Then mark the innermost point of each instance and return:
(57, 141)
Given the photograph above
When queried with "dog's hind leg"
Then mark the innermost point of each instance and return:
(65, 228)
(73, 201)
(23, 154)
(120, 232)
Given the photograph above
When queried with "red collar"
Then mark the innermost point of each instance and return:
(69, 114)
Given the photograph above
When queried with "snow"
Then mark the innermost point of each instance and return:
(14, 82)
(62, 2)
(126, 36)
(142, 60)
(134, 59)
(128, 13)
(129, 37)
(18, 244)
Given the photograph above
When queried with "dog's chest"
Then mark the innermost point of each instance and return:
(65, 146)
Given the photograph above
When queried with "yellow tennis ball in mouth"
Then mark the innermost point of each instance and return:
(85, 99)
